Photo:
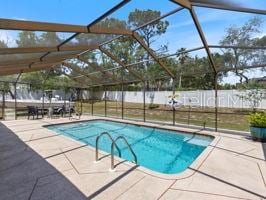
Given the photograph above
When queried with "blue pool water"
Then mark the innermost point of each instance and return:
(160, 150)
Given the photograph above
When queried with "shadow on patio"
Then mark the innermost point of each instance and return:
(264, 149)
(26, 175)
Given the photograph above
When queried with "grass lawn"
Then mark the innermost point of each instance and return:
(228, 118)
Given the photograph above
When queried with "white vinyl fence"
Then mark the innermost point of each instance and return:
(226, 98)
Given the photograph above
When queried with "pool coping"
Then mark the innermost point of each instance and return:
(191, 170)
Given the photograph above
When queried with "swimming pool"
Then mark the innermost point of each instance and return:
(160, 150)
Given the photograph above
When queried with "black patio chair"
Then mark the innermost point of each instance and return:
(32, 111)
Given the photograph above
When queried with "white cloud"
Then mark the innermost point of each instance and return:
(19, 18)
(8, 38)
(209, 16)
(233, 79)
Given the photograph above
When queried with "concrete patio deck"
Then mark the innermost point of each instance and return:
(37, 164)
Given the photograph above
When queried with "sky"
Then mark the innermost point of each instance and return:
(180, 33)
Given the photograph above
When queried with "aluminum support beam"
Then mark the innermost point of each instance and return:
(230, 8)
(203, 39)
(107, 74)
(77, 70)
(24, 50)
(15, 89)
(151, 53)
(110, 55)
(26, 70)
(183, 3)
(237, 47)
(33, 61)
(8, 24)
(119, 5)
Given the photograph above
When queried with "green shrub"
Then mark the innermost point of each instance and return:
(153, 106)
(258, 119)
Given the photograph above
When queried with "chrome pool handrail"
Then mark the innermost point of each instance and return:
(128, 145)
(97, 144)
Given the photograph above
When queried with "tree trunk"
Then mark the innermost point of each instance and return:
(180, 82)
(11, 94)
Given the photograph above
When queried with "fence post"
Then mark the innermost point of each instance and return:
(3, 104)
(216, 100)
(79, 98)
(64, 111)
(144, 101)
(105, 103)
(42, 103)
(81, 102)
(43, 82)
(15, 85)
(173, 89)
(189, 114)
(92, 100)
(173, 116)
(122, 86)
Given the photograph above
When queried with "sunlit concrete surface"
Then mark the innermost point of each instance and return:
(37, 164)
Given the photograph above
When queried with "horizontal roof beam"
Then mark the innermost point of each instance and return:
(98, 68)
(116, 83)
(130, 82)
(106, 70)
(183, 3)
(237, 47)
(22, 50)
(29, 65)
(77, 81)
(242, 68)
(150, 60)
(100, 30)
(79, 71)
(32, 60)
(167, 56)
(25, 70)
(23, 67)
(230, 8)
(10, 24)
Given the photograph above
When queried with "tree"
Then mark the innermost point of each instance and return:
(182, 58)
(261, 41)
(197, 74)
(237, 59)
(151, 31)
(96, 57)
(48, 39)
(253, 97)
(27, 39)
(31, 39)
(100, 38)
(3, 44)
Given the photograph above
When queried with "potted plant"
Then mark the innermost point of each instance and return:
(258, 126)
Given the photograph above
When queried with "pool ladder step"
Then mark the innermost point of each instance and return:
(113, 145)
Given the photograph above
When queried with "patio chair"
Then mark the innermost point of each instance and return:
(74, 114)
(32, 111)
(50, 112)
